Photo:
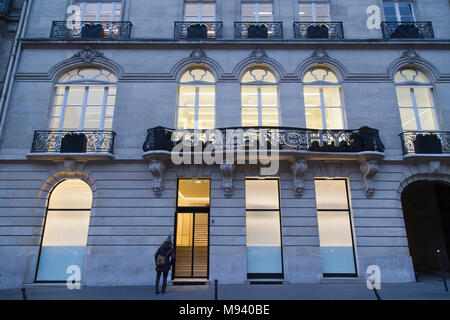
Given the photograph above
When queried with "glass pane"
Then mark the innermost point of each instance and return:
(263, 242)
(208, 12)
(269, 96)
(54, 123)
(427, 119)
(331, 194)
(322, 10)
(193, 193)
(311, 96)
(206, 96)
(265, 12)
(92, 117)
(249, 96)
(72, 117)
(192, 11)
(186, 118)
(59, 100)
(187, 97)
(423, 97)
(250, 117)
(332, 97)
(336, 248)
(71, 194)
(389, 12)
(109, 111)
(261, 194)
(306, 12)
(313, 118)
(108, 124)
(270, 117)
(408, 119)
(248, 12)
(56, 111)
(205, 118)
(96, 95)
(183, 247)
(200, 254)
(75, 96)
(334, 118)
(404, 97)
(111, 101)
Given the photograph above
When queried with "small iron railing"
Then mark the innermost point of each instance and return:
(258, 30)
(198, 30)
(115, 30)
(318, 30)
(407, 30)
(425, 142)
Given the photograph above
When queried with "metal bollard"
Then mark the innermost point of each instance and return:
(215, 289)
(441, 263)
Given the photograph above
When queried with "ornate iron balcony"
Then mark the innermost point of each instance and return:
(425, 142)
(4, 6)
(407, 30)
(282, 138)
(198, 30)
(70, 141)
(116, 30)
(318, 30)
(258, 30)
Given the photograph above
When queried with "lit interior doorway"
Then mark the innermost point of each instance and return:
(426, 210)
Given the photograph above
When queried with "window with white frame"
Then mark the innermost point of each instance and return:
(415, 100)
(199, 10)
(196, 99)
(257, 10)
(259, 96)
(398, 11)
(84, 99)
(314, 11)
(323, 99)
(100, 11)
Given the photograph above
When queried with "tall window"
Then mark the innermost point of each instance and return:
(264, 256)
(323, 99)
(65, 231)
(196, 99)
(415, 100)
(335, 228)
(396, 11)
(259, 96)
(84, 99)
(100, 11)
(199, 10)
(254, 10)
(314, 11)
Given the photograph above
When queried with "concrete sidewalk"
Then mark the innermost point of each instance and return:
(425, 290)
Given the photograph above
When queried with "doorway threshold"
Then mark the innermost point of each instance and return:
(190, 281)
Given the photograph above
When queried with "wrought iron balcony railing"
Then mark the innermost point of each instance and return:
(281, 138)
(198, 30)
(425, 142)
(116, 30)
(318, 30)
(70, 141)
(258, 30)
(407, 30)
(4, 6)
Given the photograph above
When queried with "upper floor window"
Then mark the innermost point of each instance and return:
(323, 99)
(196, 99)
(415, 100)
(259, 96)
(257, 10)
(100, 11)
(199, 10)
(84, 99)
(398, 11)
(314, 11)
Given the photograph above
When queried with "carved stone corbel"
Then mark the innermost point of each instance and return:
(157, 169)
(227, 184)
(299, 168)
(369, 169)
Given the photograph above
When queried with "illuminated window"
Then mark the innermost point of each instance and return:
(65, 231)
(84, 99)
(259, 98)
(198, 10)
(415, 100)
(323, 99)
(196, 99)
(314, 11)
(100, 11)
(335, 228)
(257, 10)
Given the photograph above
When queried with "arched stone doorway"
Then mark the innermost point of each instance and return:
(426, 210)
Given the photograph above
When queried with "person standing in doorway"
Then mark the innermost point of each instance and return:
(164, 259)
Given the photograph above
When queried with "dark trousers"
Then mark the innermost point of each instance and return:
(158, 277)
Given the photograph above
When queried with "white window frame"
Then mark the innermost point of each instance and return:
(397, 10)
(83, 5)
(256, 5)
(200, 7)
(313, 9)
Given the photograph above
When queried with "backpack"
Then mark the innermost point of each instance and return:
(161, 259)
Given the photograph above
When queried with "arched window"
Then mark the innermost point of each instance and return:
(84, 99)
(323, 99)
(259, 98)
(196, 99)
(65, 231)
(415, 100)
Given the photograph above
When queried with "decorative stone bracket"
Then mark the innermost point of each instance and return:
(298, 168)
(227, 184)
(157, 169)
(368, 169)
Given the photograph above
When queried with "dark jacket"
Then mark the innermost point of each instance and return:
(166, 250)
